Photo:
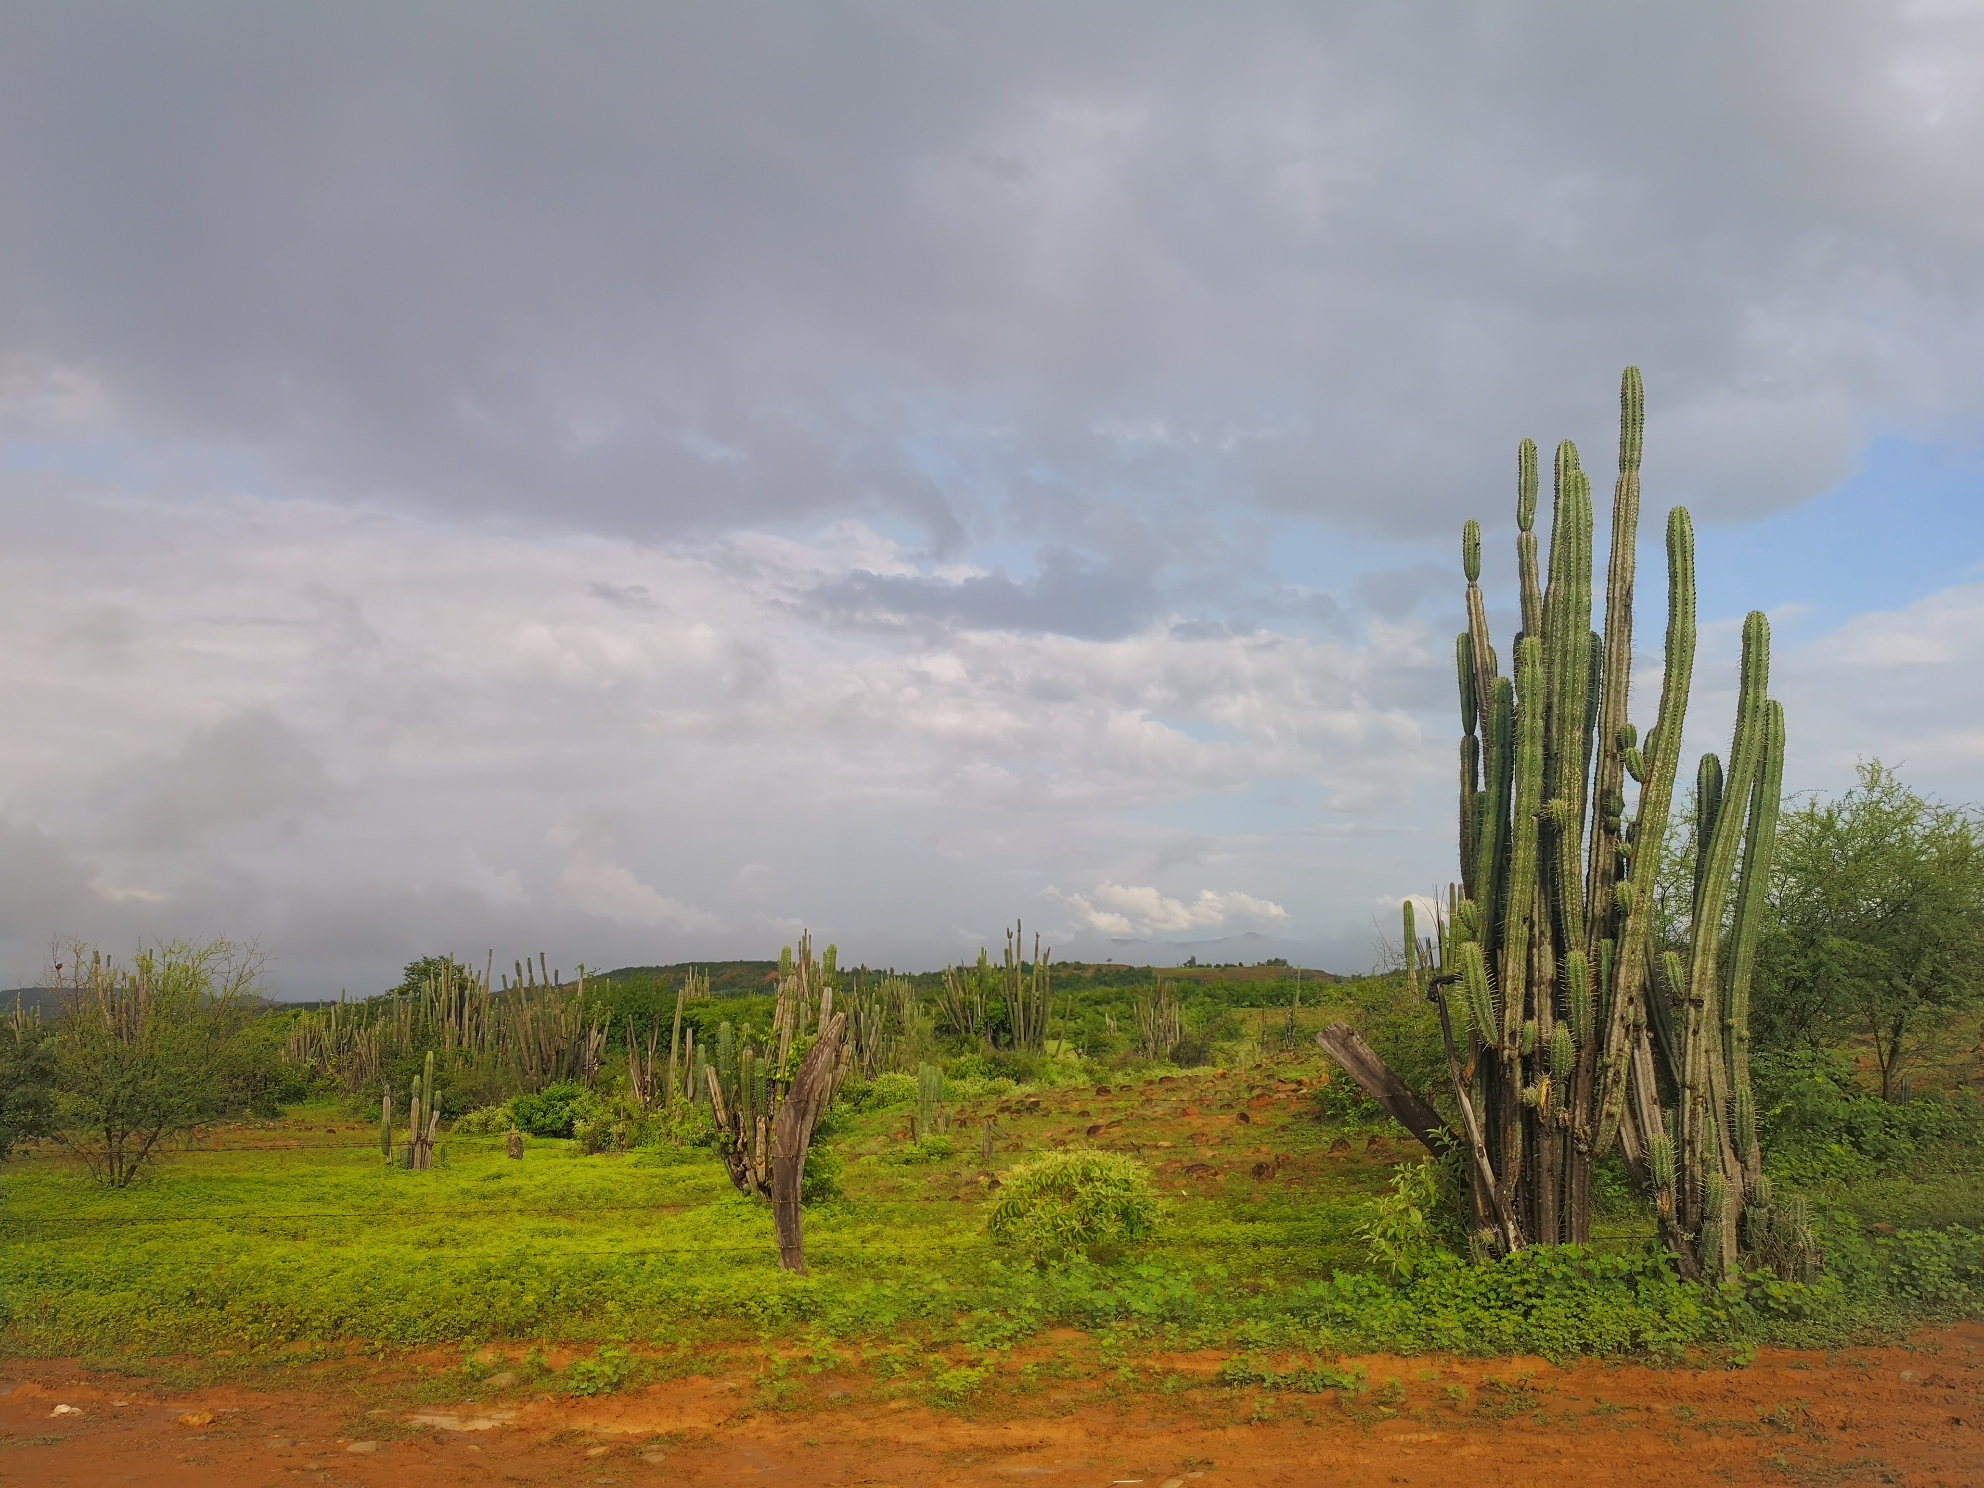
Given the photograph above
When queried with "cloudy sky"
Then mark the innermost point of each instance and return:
(631, 481)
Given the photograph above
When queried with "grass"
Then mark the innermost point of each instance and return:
(267, 1240)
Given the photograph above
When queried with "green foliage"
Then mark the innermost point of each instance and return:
(1822, 1128)
(551, 1111)
(1876, 920)
(148, 1050)
(1065, 1203)
(887, 1090)
(1398, 1230)
(27, 1070)
(931, 1149)
(1341, 1102)
(821, 1181)
(602, 1374)
(486, 1121)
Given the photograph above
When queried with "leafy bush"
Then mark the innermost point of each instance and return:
(888, 1089)
(552, 1110)
(602, 1374)
(929, 1149)
(1061, 1204)
(489, 1121)
(821, 1180)
(1398, 1226)
(27, 1068)
(1818, 1127)
(1342, 1102)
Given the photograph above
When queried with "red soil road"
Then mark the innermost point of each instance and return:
(1911, 1415)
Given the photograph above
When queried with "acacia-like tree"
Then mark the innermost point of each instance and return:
(142, 1051)
(1876, 926)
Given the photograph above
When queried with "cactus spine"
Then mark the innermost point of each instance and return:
(1549, 940)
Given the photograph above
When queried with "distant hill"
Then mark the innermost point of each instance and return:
(41, 1000)
(727, 978)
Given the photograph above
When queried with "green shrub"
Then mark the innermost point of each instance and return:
(1062, 1204)
(890, 1088)
(1398, 1227)
(602, 1374)
(929, 1149)
(552, 1110)
(821, 1180)
(489, 1121)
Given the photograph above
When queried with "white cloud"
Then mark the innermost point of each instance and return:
(1120, 909)
(597, 885)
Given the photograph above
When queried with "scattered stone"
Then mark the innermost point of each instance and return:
(364, 1448)
(507, 1380)
(654, 1455)
(279, 1443)
(597, 1451)
(197, 1418)
(1172, 1483)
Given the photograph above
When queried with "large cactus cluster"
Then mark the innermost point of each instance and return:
(1568, 1026)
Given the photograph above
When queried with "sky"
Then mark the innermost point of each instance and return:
(634, 482)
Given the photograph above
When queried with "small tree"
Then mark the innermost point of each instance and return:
(141, 1052)
(26, 1071)
(1876, 923)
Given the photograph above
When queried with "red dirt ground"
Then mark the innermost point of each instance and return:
(1912, 1415)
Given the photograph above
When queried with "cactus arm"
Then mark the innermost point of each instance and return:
(1514, 979)
(1470, 760)
(1532, 597)
(1491, 861)
(1662, 753)
(1718, 854)
(1609, 778)
(1759, 849)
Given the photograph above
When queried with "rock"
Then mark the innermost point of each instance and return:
(1172, 1483)
(597, 1451)
(507, 1380)
(1244, 1119)
(72, 1410)
(363, 1449)
(654, 1455)
(197, 1418)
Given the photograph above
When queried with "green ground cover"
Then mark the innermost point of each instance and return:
(262, 1237)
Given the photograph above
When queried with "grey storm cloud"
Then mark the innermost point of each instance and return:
(671, 270)
(634, 481)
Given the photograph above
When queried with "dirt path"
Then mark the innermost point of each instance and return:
(1911, 1415)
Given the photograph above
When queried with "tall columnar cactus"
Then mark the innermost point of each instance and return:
(1543, 963)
